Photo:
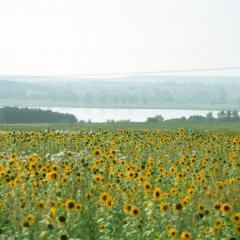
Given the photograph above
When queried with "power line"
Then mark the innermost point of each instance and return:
(190, 70)
(156, 51)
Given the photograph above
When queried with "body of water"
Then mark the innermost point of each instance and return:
(134, 115)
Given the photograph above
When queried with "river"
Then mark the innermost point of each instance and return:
(134, 115)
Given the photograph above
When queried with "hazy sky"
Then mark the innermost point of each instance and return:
(48, 37)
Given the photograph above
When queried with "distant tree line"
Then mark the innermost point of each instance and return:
(118, 121)
(133, 92)
(221, 116)
(14, 115)
(158, 118)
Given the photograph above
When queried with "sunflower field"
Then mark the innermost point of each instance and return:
(126, 184)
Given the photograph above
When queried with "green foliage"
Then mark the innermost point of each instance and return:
(13, 115)
(170, 125)
(105, 184)
(229, 116)
(158, 118)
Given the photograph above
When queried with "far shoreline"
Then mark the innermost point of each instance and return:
(173, 107)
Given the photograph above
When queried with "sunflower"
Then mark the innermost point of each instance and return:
(97, 152)
(69, 154)
(109, 203)
(123, 162)
(193, 160)
(225, 208)
(200, 207)
(185, 201)
(164, 173)
(131, 174)
(103, 197)
(40, 204)
(173, 191)
(215, 231)
(89, 196)
(134, 211)
(52, 213)
(99, 178)
(70, 205)
(79, 206)
(54, 167)
(185, 235)
(101, 227)
(164, 207)
(217, 206)
(172, 232)
(52, 203)
(178, 206)
(112, 152)
(121, 175)
(13, 155)
(180, 176)
(25, 224)
(127, 208)
(235, 218)
(157, 194)
(51, 175)
(173, 170)
(190, 191)
(146, 186)
(30, 218)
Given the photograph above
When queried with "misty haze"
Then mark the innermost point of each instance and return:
(119, 120)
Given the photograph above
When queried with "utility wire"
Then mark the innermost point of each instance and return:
(190, 70)
(156, 51)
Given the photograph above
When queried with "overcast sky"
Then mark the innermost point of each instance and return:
(81, 37)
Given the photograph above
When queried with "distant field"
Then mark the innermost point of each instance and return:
(189, 106)
(173, 125)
